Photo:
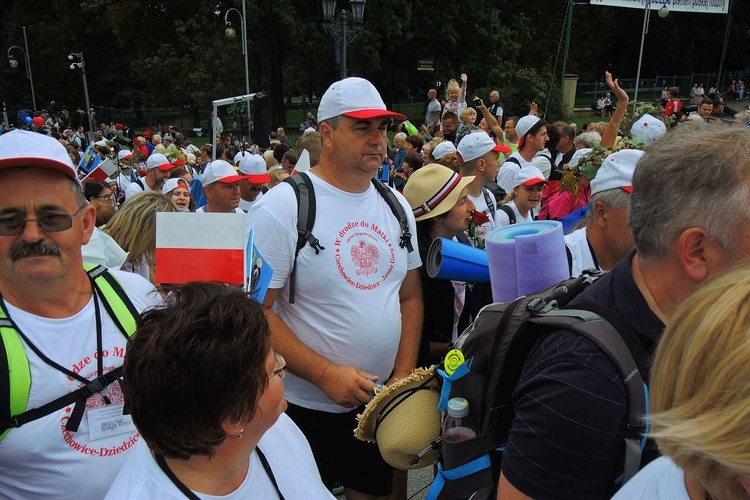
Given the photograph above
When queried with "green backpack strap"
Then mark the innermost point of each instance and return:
(116, 301)
(14, 389)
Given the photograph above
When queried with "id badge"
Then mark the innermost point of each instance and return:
(108, 421)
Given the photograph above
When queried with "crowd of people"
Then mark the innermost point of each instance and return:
(123, 387)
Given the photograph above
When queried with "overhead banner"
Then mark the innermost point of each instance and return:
(696, 6)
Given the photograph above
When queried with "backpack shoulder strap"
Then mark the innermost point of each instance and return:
(14, 392)
(140, 183)
(513, 159)
(398, 212)
(489, 199)
(116, 302)
(615, 345)
(509, 212)
(304, 191)
(15, 375)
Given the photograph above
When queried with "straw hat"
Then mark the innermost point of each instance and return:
(433, 190)
(403, 419)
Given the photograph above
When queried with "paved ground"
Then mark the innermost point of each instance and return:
(419, 482)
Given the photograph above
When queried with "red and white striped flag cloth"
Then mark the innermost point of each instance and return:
(201, 247)
(102, 171)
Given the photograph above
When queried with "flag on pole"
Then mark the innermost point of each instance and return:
(201, 247)
(102, 171)
(303, 163)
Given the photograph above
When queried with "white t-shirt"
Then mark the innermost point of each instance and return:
(659, 480)
(501, 218)
(347, 297)
(543, 162)
(506, 175)
(578, 245)
(134, 188)
(42, 459)
(480, 205)
(284, 446)
(202, 210)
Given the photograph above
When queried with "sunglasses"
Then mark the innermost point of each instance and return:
(49, 223)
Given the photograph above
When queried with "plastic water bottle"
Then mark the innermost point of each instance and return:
(458, 425)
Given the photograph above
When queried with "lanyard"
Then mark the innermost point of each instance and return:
(55, 365)
(192, 496)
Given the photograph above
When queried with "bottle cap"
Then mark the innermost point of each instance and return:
(458, 407)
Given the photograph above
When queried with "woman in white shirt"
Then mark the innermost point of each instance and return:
(700, 398)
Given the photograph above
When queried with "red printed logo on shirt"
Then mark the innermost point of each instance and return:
(364, 255)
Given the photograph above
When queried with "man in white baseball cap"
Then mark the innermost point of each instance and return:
(221, 185)
(479, 156)
(532, 136)
(65, 325)
(606, 238)
(256, 179)
(335, 351)
(157, 171)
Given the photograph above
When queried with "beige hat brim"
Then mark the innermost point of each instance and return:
(449, 201)
(410, 428)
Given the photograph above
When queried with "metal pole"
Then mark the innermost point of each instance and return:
(247, 72)
(724, 48)
(28, 68)
(640, 55)
(567, 45)
(86, 93)
(344, 42)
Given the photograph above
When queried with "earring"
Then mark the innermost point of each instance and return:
(242, 431)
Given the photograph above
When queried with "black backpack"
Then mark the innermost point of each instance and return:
(305, 193)
(495, 349)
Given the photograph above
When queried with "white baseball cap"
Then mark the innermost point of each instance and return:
(523, 125)
(474, 145)
(529, 176)
(158, 160)
(616, 171)
(172, 184)
(649, 129)
(124, 154)
(22, 148)
(220, 171)
(354, 97)
(442, 149)
(578, 155)
(254, 168)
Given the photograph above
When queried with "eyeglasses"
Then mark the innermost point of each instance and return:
(107, 197)
(49, 223)
(281, 370)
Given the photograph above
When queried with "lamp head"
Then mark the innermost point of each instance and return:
(664, 11)
(70, 57)
(230, 32)
(12, 61)
(73, 66)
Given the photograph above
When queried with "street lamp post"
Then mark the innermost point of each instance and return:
(81, 64)
(342, 32)
(14, 64)
(646, 16)
(231, 33)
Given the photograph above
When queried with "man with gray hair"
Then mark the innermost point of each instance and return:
(570, 404)
(606, 238)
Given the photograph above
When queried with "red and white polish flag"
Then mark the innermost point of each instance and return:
(102, 171)
(201, 247)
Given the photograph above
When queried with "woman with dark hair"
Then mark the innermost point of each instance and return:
(448, 216)
(544, 159)
(412, 162)
(95, 190)
(414, 144)
(205, 392)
